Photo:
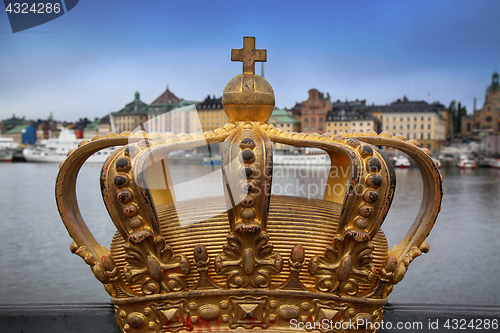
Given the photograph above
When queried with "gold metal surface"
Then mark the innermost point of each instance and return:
(250, 259)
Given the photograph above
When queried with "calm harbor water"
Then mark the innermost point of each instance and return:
(36, 265)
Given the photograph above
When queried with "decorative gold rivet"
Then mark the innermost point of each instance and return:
(122, 314)
(361, 223)
(171, 285)
(193, 306)
(374, 181)
(366, 211)
(303, 319)
(248, 156)
(225, 318)
(247, 143)
(374, 165)
(370, 196)
(249, 201)
(248, 213)
(136, 222)
(351, 312)
(130, 210)
(365, 150)
(126, 327)
(147, 311)
(273, 304)
(151, 325)
(123, 164)
(272, 318)
(306, 306)
(194, 320)
(136, 320)
(125, 196)
(223, 304)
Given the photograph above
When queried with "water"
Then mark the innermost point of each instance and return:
(36, 265)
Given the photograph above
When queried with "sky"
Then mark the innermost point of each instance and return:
(90, 61)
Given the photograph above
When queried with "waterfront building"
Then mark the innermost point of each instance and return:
(415, 120)
(338, 121)
(283, 120)
(16, 133)
(169, 113)
(104, 126)
(486, 121)
(313, 112)
(350, 116)
(132, 116)
(92, 129)
(211, 113)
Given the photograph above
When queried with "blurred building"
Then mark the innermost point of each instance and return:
(486, 121)
(313, 112)
(285, 121)
(211, 113)
(415, 120)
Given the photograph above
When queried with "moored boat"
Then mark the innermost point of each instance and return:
(7, 148)
(56, 150)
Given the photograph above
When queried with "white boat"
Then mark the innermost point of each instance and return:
(495, 163)
(7, 149)
(313, 157)
(56, 150)
(402, 162)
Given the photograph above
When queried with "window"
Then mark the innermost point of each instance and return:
(360, 124)
(313, 119)
(313, 128)
(306, 119)
(401, 119)
(428, 135)
(320, 111)
(393, 118)
(313, 111)
(394, 127)
(400, 127)
(305, 111)
(386, 127)
(321, 128)
(422, 118)
(408, 119)
(306, 128)
(421, 135)
(408, 126)
(415, 118)
(422, 126)
(429, 126)
(415, 126)
(387, 119)
(429, 118)
(320, 119)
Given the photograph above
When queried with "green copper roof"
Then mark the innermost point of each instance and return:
(282, 116)
(17, 129)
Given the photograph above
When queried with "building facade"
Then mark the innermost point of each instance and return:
(211, 113)
(285, 121)
(415, 120)
(486, 121)
(313, 112)
(132, 116)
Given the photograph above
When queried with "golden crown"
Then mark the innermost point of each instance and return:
(271, 262)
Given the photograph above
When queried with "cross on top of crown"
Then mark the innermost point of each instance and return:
(248, 55)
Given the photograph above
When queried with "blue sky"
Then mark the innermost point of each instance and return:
(90, 61)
